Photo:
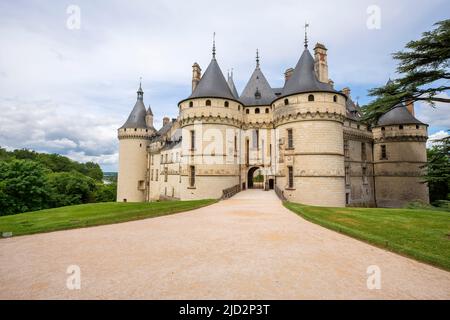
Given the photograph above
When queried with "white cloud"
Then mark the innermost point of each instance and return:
(432, 139)
(67, 91)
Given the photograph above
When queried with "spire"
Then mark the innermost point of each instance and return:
(140, 92)
(257, 58)
(214, 47)
(306, 34)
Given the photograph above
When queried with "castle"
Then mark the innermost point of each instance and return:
(306, 139)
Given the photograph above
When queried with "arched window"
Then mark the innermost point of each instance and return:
(311, 97)
(335, 98)
(239, 107)
(383, 128)
(208, 103)
(286, 102)
(247, 111)
(257, 110)
(191, 104)
(227, 104)
(267, 110)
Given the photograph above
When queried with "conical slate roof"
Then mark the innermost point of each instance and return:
(232, 86)
(257, 92)
(136, 119)
(304, 78)
(397, 115)
(212, 84)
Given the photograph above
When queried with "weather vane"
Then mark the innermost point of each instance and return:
(306, 34)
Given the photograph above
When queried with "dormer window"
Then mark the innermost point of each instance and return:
(311, 97)
(257, 94)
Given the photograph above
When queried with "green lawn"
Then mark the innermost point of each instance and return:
(417, 233)
(94, 214)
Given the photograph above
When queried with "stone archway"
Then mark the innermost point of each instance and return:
(250, 174)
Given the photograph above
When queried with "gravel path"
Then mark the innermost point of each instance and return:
(247, 247)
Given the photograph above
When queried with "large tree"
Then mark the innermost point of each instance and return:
(438, 170)
(423, 70)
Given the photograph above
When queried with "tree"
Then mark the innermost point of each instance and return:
(424, 70)
(69, 188)
(106, 192)
(23, 186)
(438, 170)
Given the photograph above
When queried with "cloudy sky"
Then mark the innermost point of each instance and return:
(67, 90)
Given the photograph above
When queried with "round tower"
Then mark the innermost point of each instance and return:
(399, 158)
(309, 117)
(134, 137)
(210, 119)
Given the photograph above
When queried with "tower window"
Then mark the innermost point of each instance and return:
(417, 126)
(363, 151)
(239, 107)
(235, 143)
(192, 140)
(334, 98)
(347, 175)
(192, 176)
(383, 155)
(257, 110)
(191, 104)
(156, 175)
(311, 97)
(290, 177)
(267, 110)
(286, 102)
(247, 111)
(135, 129)
(383, 128)
(290, 139)
(400, 127)
(227, 104)
(208, 103)
(165, 175)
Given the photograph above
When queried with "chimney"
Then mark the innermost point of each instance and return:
(346, 91)
(288, 74)
(410, 106)
(321, 62)
(196, 75)
(166, 120)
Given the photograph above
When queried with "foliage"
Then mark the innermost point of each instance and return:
(424, 70)
(106, 192)
(92, 214)
(23, 186)
(418, 233)
(32, 181)
(438, 170)
(69, 188)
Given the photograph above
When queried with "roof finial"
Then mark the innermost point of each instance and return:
(214, 46)
(140, 93)
(257, 58)
(306, 34)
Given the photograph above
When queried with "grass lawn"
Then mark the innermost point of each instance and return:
(417, 233)
(93, 214)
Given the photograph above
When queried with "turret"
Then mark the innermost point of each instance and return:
(196, 75)
(309, 117)
(207, 119)
(399, 158)
(134, 137)
(149, 117)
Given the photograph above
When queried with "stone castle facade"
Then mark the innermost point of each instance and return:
(306, 139)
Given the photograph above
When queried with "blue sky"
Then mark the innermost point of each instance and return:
(67, 91)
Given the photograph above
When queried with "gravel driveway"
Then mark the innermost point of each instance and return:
(246, 247)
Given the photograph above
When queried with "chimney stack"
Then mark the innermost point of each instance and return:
(321, 62)
(196, 75)
(166, 120)
(288, 74)
(346, 91)
(410, 106)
